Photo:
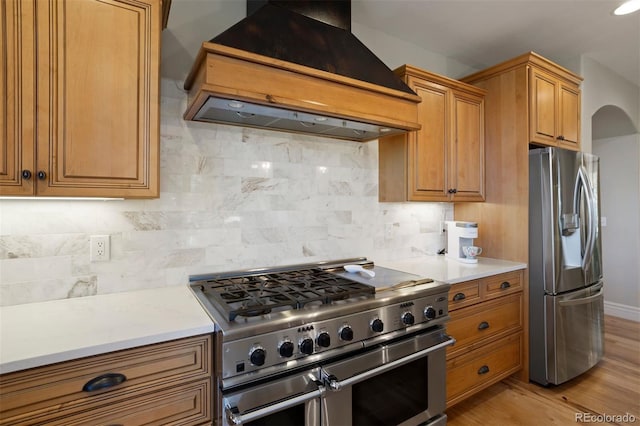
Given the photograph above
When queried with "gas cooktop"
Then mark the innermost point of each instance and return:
(262, 293)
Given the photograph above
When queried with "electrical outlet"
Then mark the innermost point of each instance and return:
(99, 248)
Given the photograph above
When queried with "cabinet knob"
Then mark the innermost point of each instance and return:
(505, 285)
(104, 381)
(26, 174)
(560, 138)
(452, 191)
(42, 175)
(483, 370)
(483, 325)
(459, 296)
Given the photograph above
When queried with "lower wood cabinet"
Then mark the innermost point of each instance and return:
(487, 320)
(165, 383)
(470, 373)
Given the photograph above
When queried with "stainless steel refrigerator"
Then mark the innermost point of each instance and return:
(566, 302)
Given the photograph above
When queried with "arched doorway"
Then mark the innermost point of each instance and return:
(617, 142)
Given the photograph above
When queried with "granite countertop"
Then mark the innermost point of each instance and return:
(450, 271)
(37, 334)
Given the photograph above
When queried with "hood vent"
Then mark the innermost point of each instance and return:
(282, 70)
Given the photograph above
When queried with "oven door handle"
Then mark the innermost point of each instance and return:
(237, 419)
(334, 384)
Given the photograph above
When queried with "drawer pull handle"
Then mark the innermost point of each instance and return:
(104, 381)
(483, 370)
(459, 296)
(483, 325)
(505, 285)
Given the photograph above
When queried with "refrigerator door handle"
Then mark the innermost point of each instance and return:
(583, 301)
(583, 182)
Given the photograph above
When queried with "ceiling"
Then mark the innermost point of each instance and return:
(482, 33)
(477, 33)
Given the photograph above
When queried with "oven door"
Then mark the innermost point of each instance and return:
(399, 383)
(291, 400)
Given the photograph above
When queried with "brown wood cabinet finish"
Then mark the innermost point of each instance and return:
(470, 373)
(231, 73)
(17, 95)
(487, 320)
(92, 126)
(444, 160)
(555, 111)
(503, 220)
(169, 381)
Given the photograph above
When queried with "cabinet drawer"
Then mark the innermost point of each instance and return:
(181, 405)
(464, 294)
(478, 369)
(476, 325)
(45, 393)
(499, 285)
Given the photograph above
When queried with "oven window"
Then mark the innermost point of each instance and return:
(392, 397)
(293, 416)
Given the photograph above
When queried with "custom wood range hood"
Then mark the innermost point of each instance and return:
(282, 70)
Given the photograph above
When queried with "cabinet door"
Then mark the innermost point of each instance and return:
(466, 165)
(428, 148)
(543, 108)
(17, 100)
(98, 106)
(569, 121)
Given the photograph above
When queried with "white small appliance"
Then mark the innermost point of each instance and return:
(460, 234)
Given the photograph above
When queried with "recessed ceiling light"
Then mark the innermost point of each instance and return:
(320, 119)
(627, 7)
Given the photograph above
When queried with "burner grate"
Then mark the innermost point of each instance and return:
(255, 295)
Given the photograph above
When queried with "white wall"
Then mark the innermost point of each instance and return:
(395, 52)
(620, 204)
(601, 87)
(619, 169)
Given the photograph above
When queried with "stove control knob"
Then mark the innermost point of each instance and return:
(306, 346)
(346, 333)
(257, 355)
(286, 349)
(377, 325)
(324, 340)
(407, 318)
(429, 313)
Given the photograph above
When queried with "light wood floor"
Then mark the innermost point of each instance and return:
(611, 388)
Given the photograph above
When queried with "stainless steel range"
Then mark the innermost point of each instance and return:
(313, 344)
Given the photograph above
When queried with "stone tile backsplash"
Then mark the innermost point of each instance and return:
(231, 198)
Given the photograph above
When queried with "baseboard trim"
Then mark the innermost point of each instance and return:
(622, 311)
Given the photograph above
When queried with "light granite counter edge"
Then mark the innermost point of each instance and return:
(450, 271)
(38, 334)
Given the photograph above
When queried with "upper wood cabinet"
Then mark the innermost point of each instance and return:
(444, 160)
(555, 111)
(553, 99)
(92, 126)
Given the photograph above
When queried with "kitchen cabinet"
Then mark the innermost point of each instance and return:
(444, 160)
(80, 116)
(549, 104)
(503, 219)
(554, 111)
(169, 382)
(487, 319)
